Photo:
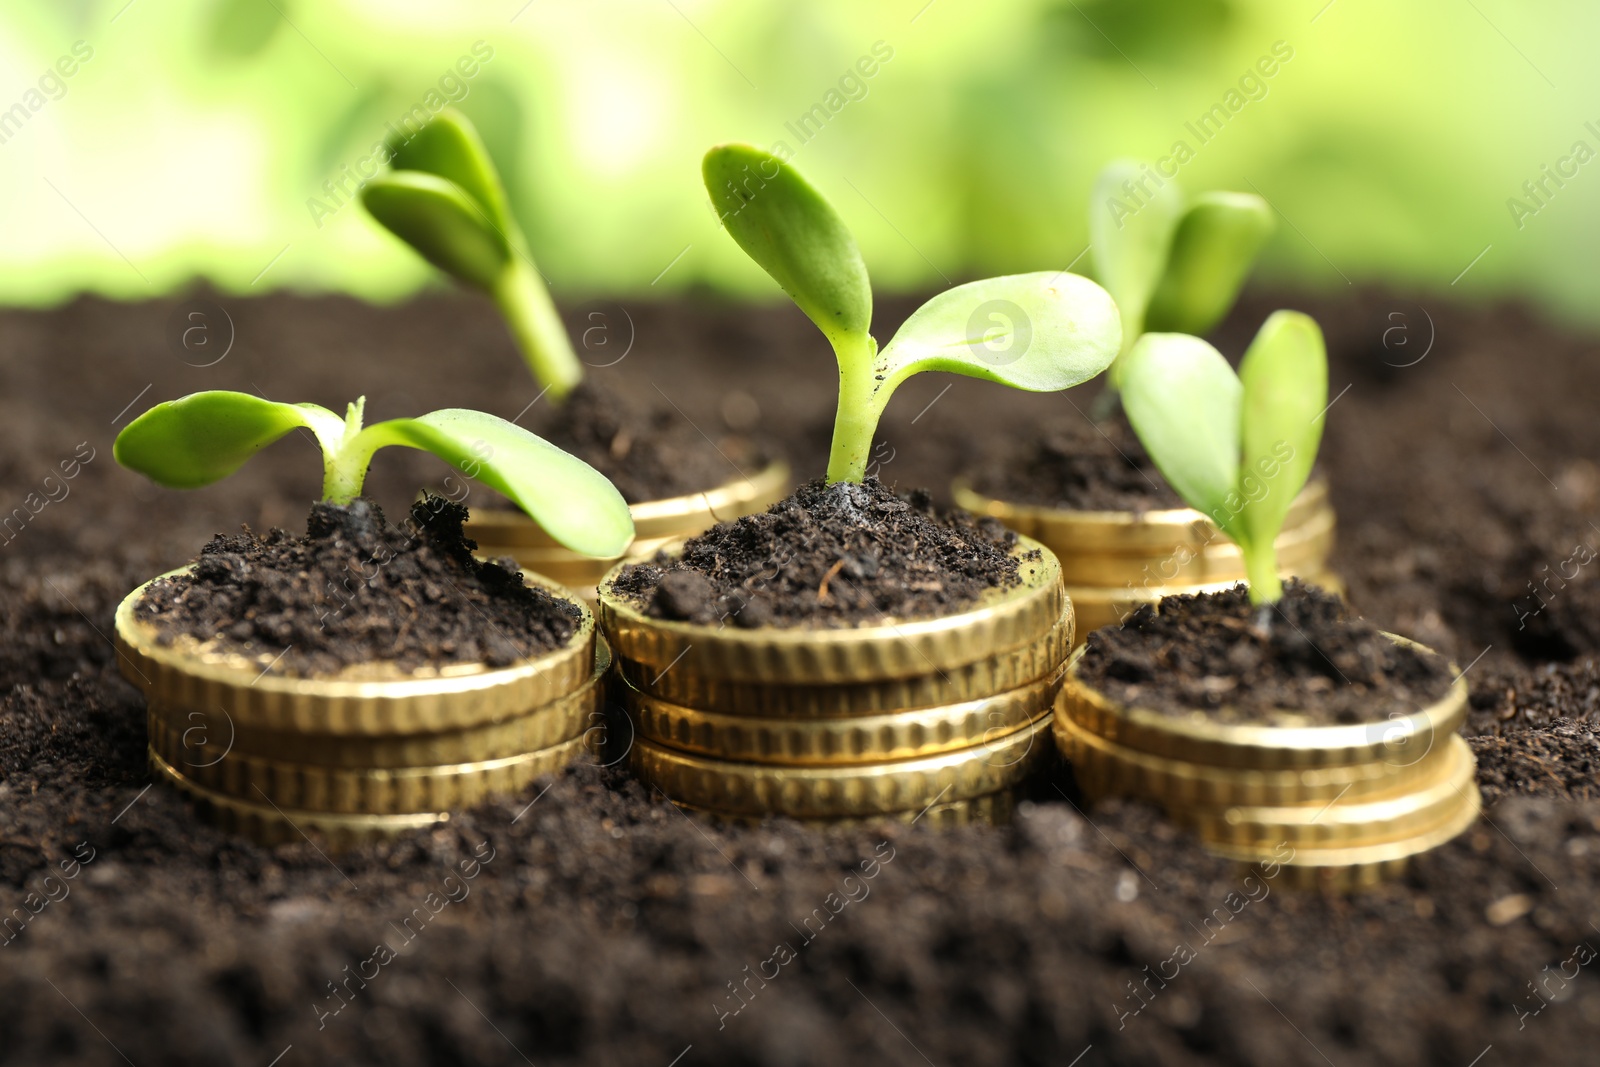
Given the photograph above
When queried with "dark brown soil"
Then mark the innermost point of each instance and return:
(1562, 760)
(607, 927)
(1306, 660)
(649, 451)
(829, 555)
(1076, 462)
(356, 589)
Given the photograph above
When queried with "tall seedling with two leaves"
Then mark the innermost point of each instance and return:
(204, 437)
(1237, 447)
(1173, 264)
(1040, 332)
(443, 197)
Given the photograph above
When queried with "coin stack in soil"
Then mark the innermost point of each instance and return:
(1116, 561)
(503, 532)
(1339, 807)
(363, 755)
(938, 719)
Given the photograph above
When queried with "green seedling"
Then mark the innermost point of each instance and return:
(1237, 447)
(204, 437)
(1173, 264)
(1040, 332)
(443, 197)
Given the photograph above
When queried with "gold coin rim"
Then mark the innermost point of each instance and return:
(1004, 619)
(1199, 739)
(186, 673)
(1183, 783)
(841, 741)
(1004, 671)
(760, 788)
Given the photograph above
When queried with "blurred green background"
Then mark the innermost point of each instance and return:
(195, 140)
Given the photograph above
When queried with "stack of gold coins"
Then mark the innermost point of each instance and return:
(1116, 561)
(502, 532)
(929, 718)
(1340, 807)
(366, 754)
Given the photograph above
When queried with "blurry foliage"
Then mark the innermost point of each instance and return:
(195, 137)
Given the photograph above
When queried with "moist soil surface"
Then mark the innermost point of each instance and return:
(829, 555)
(610, 928)
(1305, 661)
(1078, 463)
(359, 590)
(649, 451)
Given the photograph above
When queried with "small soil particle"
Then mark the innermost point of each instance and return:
(829, 555)
(1305, 661)
(357, 589)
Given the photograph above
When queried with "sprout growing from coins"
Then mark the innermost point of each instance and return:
(1040, 332)
(1237, 447)
(1173, 264)
(204, 437)
(444, 198)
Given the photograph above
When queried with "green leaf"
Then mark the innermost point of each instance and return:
(1130, 232)
(1215, 244)
(574, 502)
(448, 147)
(1285, 383)
(439, 220)
(204, 437)
(794, 235)
(1041, 332)
(1183, 400)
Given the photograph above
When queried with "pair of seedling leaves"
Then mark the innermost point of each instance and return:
(1236, 447)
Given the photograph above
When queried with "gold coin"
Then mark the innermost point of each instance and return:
(662, 520)
(1154, 534)
(195, 739)
(1004, 619)
(1198, 738)
(189, 675)
(825, 792)
(1346, 822)
(995, 809)
(1103, 769)
(836, 742)
(952, 685)
(1359, 867)
(363, 791)
(268, 826)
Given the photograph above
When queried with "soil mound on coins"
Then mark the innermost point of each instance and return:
(648, 452)
(830, 555)
(1305, 661)
(1077, 464)
(359, 589)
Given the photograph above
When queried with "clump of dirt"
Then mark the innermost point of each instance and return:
(1305, 660)
(1561, 760)
(358, 589)
(1079, 464)
(648, 452)
(829, 555)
